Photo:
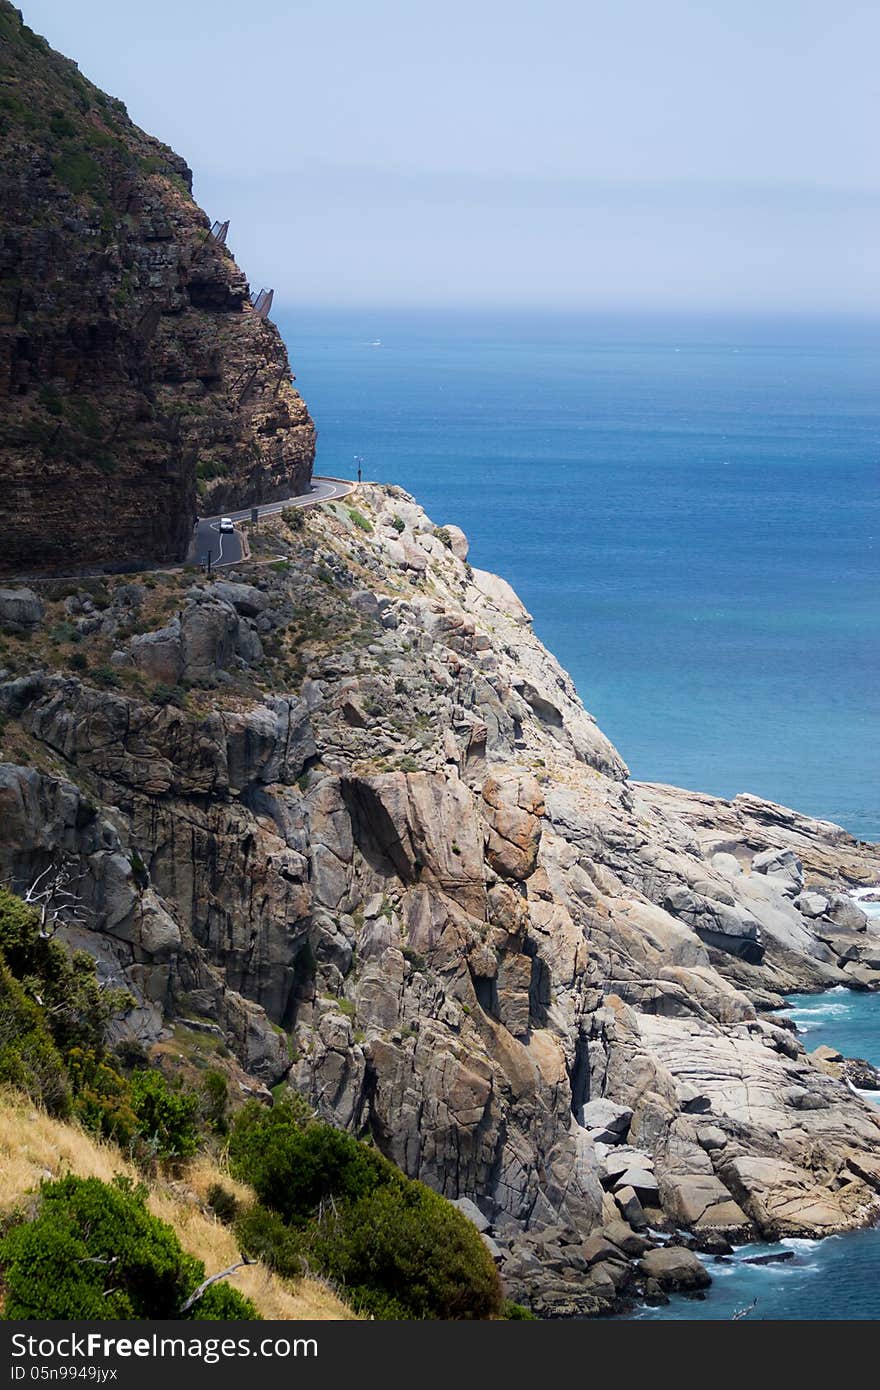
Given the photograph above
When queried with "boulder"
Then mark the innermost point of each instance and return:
(782, 865)
(596, 1248)
(492, 1246)
(607, 1117)
(811, 904)
(159, 654)
(675, 1269)
(208, 631)
(366, 603)
(631, 1208)
(643, 1183)
(458, 541)
(625, 1238)
(617, 1161)
(472, 1212)
(783, 1198)
(845, 913)
(245, 598)
(700, 1201)
(20, 610)
(730, 929)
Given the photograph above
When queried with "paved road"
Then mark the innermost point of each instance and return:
(227, 549)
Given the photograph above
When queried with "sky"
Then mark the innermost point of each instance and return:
(633, 155)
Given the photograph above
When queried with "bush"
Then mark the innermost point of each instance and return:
(166, 1119)
(361, 522)
(76, 1009)
(102, 1097)
(402, 1251)
(79, 172)
(294, 518)
(106, 675)
(399, 524)
(29, 1059)
(515, 1312)
(265, 1236)
(163, 694)
(94, 1251)
(294, 1167)
(214, 1101)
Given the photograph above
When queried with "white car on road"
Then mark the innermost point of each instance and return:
(226, 524)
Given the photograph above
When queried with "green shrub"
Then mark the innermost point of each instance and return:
(79, 172)
(105, 675)
(162, 694)
(398, 523)
(214, 1101)
(139, 870)
(166, 1118)
(265, 1236)
(294, 518)
(402, 1251)
(207, 469)
(29, 1059)
(294, 1167)
(76, 1009)
(79, 661)
(60, 125)
(94, 1251)
(360, 521)
(515, 1312)
(102, 1097)
(443, 536)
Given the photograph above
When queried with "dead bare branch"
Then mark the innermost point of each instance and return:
(206, 1284)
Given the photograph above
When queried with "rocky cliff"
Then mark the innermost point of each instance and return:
(342, 814)
(137, 382)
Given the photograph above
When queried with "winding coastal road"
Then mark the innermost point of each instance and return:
(225, 548)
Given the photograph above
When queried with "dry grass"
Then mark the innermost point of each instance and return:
(33, 1147)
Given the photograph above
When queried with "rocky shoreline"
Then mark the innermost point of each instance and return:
(342, 813)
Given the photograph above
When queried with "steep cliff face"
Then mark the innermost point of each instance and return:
(372, 838)
(137, 382)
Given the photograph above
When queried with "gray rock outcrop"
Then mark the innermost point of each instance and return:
(375, 839)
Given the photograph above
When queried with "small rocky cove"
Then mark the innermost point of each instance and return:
(817, 1280)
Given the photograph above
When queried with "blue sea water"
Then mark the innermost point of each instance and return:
(690, 511)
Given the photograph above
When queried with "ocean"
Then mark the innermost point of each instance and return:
(689, 509)
(691, 512)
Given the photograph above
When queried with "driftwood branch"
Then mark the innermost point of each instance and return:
(744, 1312)
(206, 1284)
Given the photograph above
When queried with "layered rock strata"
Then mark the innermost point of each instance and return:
(137, 382)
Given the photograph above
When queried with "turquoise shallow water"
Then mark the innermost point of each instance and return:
(837, 1278)
(689, 510)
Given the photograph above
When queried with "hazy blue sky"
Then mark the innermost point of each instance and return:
(610, 153)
